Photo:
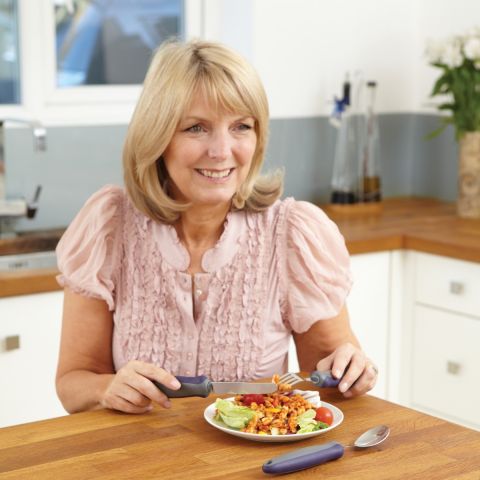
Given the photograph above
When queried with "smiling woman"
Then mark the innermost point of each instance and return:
(201, 95)
(198, 268)
(210, 155)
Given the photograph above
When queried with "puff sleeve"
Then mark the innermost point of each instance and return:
(317, 275)
(88, 253)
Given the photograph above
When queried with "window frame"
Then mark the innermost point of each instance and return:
(40, 97)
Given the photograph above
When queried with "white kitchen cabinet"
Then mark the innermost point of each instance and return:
(29, 342)
(446, 360)
(368, 305)
(445, 337)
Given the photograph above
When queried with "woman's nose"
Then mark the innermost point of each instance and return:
(219, 147)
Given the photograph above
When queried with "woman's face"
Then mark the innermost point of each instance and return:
(210, 154)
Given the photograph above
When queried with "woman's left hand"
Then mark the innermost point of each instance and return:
(358, 374)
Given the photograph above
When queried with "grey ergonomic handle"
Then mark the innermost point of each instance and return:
(190, 387)
(323, 379)
(304, 458)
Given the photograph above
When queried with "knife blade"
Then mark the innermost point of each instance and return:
(201, 386)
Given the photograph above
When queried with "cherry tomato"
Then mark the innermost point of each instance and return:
(250, 398)
(324, 415)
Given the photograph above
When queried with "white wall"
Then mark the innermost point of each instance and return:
(438, 19)
(302, 48)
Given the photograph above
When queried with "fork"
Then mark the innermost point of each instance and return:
(320, 379)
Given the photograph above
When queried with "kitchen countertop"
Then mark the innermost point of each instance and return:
(178, 444)
(421, 224)
(425, 225)
(30, 242)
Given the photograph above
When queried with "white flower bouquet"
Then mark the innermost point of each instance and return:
(458, 58)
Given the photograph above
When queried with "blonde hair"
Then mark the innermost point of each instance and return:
(177, 72)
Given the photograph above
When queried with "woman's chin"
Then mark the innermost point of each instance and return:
(213, 201)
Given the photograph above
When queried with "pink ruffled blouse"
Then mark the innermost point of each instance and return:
(270, 273)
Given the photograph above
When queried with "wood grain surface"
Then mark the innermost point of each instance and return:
(425, 225)
(26, 282)
(29, 242)
(179, 444)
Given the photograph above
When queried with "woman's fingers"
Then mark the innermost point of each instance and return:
(352, 373)
(126, 399)
(338, 360)
(365, 382)
(133, 391)
(142, 381)
(358, 374)
(156, 373)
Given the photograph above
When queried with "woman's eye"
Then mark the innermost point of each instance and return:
(244, 127)
(195, 128)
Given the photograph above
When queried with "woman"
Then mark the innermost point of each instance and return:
(198, 267)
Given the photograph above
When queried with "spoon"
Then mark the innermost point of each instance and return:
(303, 458)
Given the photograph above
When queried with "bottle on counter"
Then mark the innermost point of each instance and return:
(370, 184)
(344, 184)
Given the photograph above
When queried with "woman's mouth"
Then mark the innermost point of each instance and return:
(215, 174)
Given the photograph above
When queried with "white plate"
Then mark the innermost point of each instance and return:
(210, 413)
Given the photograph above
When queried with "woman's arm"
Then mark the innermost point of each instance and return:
(332, 345)
(86, 378)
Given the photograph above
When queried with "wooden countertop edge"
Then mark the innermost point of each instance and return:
(377, 244)
(28, 282)
(438, 247)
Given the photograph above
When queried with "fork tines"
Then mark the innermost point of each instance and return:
(291, 378)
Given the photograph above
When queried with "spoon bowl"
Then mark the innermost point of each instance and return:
(372, 437)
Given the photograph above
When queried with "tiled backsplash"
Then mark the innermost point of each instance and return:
(79, 160)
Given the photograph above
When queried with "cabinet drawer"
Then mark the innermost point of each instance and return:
(448, 283)
(446, 364)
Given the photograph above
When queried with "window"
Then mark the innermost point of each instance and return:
(82, 62)
(9, 64)
(105, 42)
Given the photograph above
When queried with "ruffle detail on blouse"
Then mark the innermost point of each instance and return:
(153, 320)
(88, 251)
(148, 320)
(232, 321)
(316, 266)
(227, 246)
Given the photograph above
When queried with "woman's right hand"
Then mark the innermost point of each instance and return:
(132, 390)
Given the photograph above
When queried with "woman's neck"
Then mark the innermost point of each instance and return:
(200, 228)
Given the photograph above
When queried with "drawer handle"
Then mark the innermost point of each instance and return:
(12, 343)
(456, 288)
(453, 367)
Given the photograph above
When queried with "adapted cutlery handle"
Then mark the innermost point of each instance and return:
(323, 379)
(304, 458)
(191, 387)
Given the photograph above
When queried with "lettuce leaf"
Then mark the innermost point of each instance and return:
(307, 423)
(234, 416)
(307, 418)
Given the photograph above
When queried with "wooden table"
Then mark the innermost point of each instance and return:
(179, 444)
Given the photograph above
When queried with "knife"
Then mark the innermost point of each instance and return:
(201, 386)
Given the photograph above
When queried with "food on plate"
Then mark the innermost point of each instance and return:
(325, 415)
(311, 396)
(250, 398)
(281, 387)
(274, 414)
